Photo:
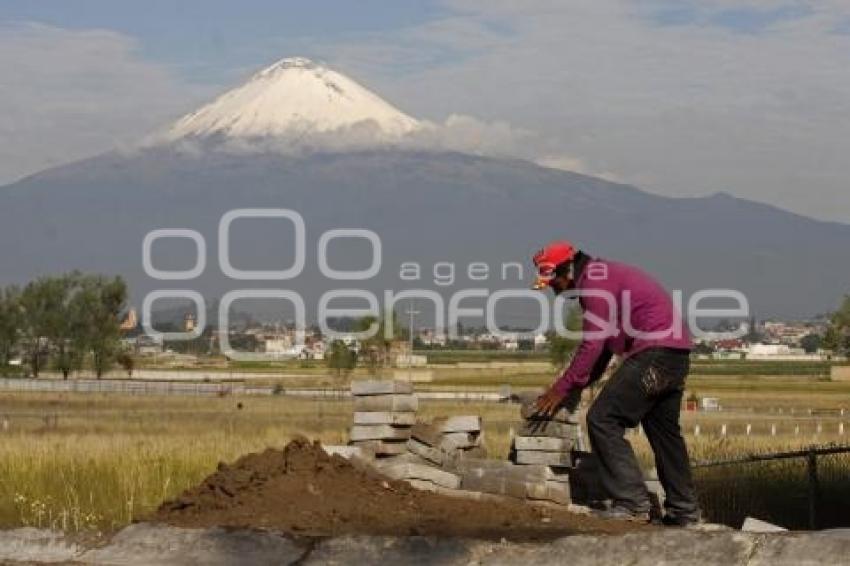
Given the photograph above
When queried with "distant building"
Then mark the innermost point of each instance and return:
(779, 352)
(189, 322)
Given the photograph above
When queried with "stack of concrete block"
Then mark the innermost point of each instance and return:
(548, 440)
(384, 413)
(446, 440)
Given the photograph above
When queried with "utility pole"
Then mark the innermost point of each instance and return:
(411, 313)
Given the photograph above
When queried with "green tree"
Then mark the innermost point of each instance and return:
(42, 304)
(837, 337)
(561, 347)
(10, 325)
(68, 352)
(341, 358)
(100, 303)
(810, 343)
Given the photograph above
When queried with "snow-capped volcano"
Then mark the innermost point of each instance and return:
(294, 97)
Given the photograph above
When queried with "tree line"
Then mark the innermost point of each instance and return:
(64, 323)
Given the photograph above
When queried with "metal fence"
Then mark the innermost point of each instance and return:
(221, 389)
(802, 489)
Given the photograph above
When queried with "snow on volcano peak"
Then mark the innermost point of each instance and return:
(293, 97)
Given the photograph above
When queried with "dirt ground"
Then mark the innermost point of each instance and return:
(301, 490)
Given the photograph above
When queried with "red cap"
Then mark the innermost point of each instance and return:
(550, 257)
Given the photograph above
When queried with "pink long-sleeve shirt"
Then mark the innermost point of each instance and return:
(626, 311)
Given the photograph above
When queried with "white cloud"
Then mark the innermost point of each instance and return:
(66, 94)
(681, 109)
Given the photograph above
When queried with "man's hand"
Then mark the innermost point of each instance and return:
(548, 403)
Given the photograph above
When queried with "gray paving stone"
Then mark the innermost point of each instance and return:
(411, 471)
(567, 413)
(439, 477)
(753, 525)
(406, 418)
(561, 475)
(499, 484)
(547, 443)
(562, 415)
(514, 472)
(548, 428)
(378, 432)
(562, 459)
(423, 485)
(380, 387)
(35, 546)
(397, 403)
(144, 544)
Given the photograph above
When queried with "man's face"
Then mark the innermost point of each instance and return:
(560, 283)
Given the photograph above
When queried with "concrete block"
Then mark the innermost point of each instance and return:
(459, 440)
(422, 472)
(379, 432)
(380, 387)
(556, 492)
(567, 413)
(548, 428)
(753, 525)
(490, 465)
(560, 475)
(547, 443)
(384, 417)
(405, 458)
(562, 415)
(423, 485)
(562, 459)
(382, 447)
(430, 453)
(426, 434)
(436, 476)
(397, 403)
(498, 484)
(344, 451)
(464, 423)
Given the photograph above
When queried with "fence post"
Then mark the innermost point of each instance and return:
(812, 467)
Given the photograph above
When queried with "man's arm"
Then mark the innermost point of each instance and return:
(596, 329)
(590, 356)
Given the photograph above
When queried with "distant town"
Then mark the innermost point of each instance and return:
(768, 340)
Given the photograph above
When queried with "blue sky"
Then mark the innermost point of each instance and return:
(680, 97)
(206, 40)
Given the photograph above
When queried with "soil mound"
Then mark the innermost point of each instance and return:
(301, 490)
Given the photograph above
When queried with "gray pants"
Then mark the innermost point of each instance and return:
(646, 389)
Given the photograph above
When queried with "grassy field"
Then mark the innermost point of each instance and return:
(93, 462)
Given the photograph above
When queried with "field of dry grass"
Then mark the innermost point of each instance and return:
(92, 462)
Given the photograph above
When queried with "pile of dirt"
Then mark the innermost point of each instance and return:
(301, 490)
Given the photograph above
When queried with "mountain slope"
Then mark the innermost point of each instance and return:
(426, 207)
